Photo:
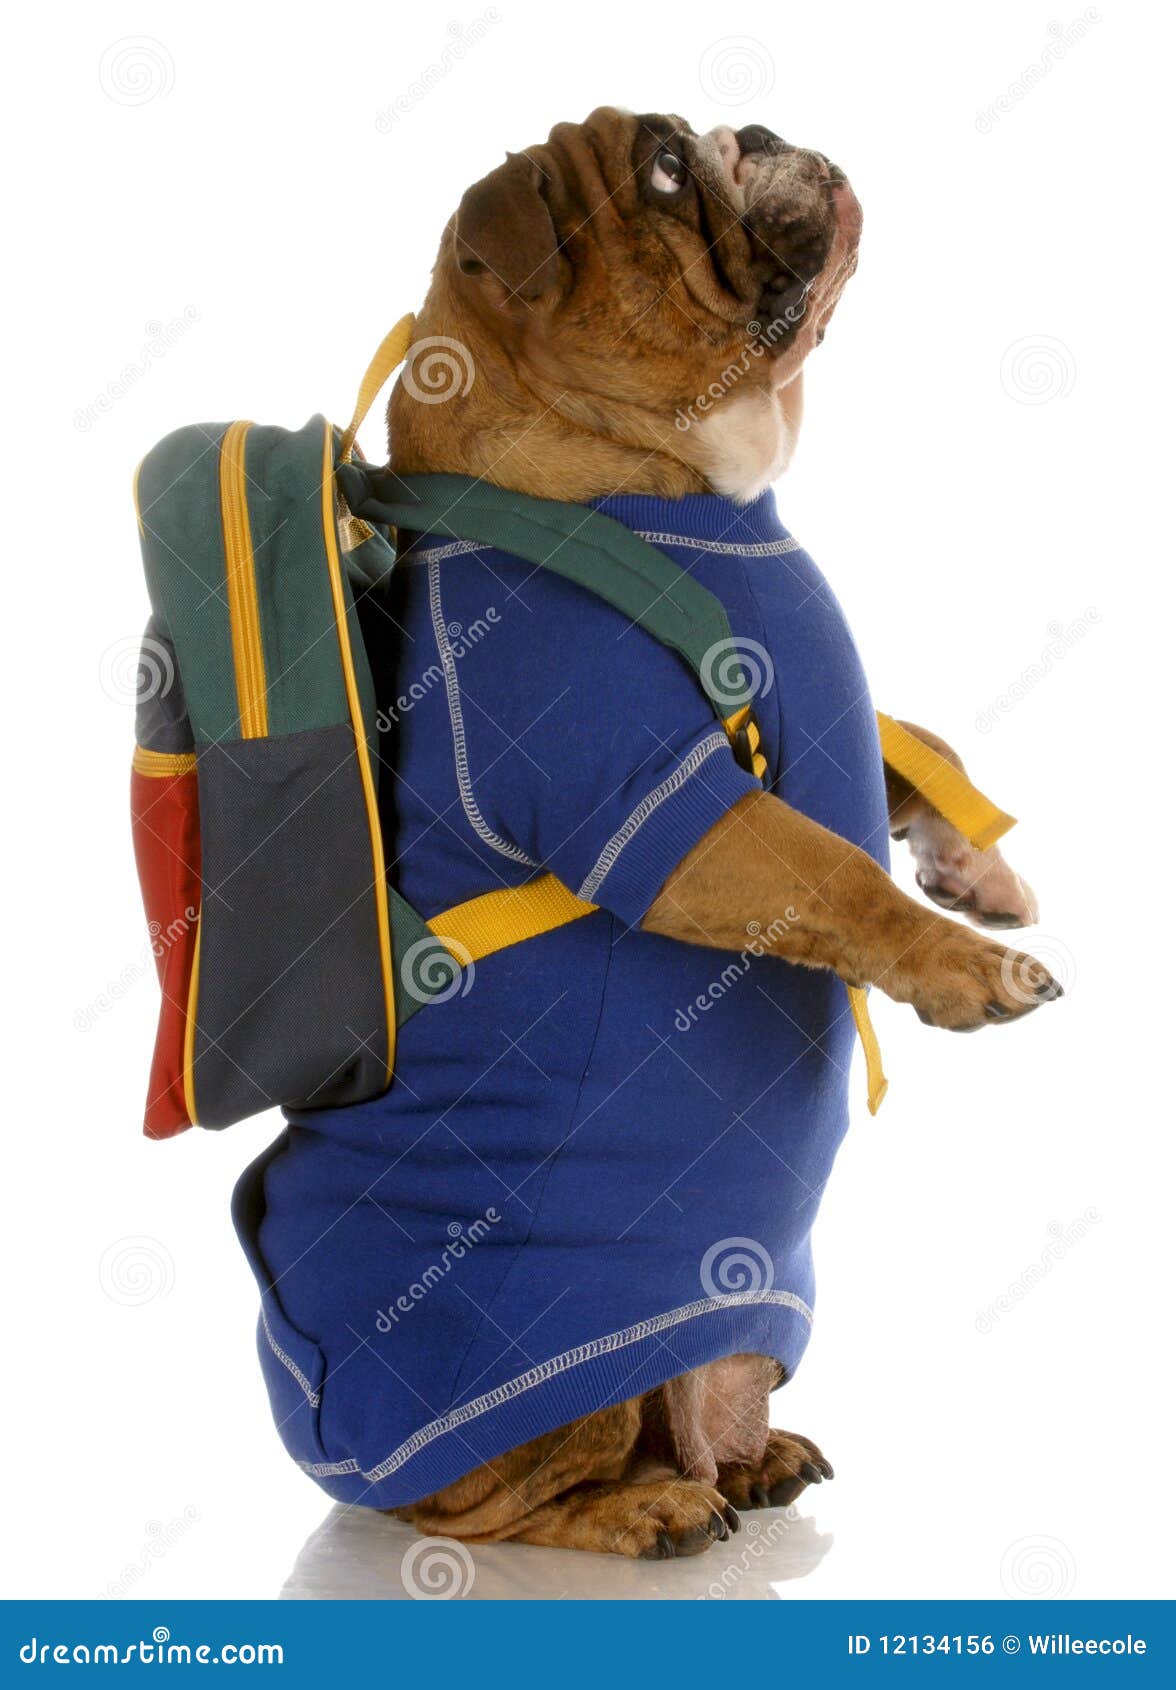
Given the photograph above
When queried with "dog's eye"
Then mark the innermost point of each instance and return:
(669, 173)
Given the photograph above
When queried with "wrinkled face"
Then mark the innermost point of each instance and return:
(628, 250)
(760, 227)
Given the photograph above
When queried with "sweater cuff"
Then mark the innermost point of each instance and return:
(665, 827)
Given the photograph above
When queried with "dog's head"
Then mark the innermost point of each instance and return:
(662, 277)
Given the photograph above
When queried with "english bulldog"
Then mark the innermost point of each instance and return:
(639, 302)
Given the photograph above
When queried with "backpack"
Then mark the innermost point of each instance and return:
(279, 940)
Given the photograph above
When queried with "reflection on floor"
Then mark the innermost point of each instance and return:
(358, 1554)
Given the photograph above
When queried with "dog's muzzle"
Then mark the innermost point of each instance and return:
(803, 209)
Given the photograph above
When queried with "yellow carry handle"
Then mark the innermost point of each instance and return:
(389, 354)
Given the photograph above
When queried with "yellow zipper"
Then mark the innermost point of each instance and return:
(189, 1070)
(162, 765)
(355, 708)
(241, 581)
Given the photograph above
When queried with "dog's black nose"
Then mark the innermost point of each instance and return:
(756, 139)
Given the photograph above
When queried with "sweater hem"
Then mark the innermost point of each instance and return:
(594, 1375)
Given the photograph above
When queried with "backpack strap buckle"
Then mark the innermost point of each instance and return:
(743, 731)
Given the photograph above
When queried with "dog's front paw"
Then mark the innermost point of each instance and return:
(789, 1463)
(956, 979)
(956, 876)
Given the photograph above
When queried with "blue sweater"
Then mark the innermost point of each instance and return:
(600, 1160)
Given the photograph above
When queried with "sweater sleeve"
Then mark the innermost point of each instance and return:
(584, 747)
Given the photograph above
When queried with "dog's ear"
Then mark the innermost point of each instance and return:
(504, 235)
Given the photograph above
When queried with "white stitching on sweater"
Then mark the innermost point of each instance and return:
(421, 553)
(312, 1395)
(637, 818)
(329, 1469)
(725, 548)
(460, 758)
(551, 1369)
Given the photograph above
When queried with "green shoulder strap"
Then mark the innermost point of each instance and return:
(582, 545)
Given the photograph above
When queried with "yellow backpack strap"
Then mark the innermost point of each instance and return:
(389, 354)
(942, 785)
(490, 923)
(877, 1084)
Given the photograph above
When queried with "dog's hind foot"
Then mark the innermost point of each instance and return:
(789, 1463)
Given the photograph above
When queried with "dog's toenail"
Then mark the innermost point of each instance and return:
(760, 1496)
(812, 1473)
(945, 899)
(997, 1012)
(731, 1516)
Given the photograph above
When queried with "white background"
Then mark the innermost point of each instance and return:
(982, 471)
